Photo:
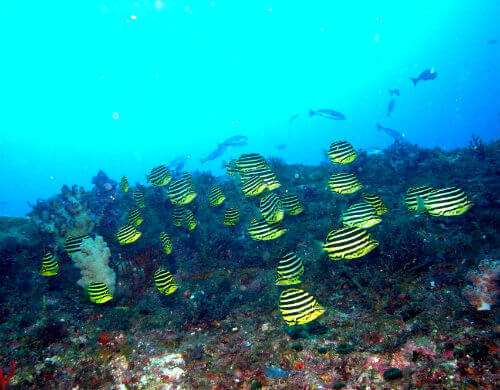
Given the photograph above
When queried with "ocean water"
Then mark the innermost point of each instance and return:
(123, 86)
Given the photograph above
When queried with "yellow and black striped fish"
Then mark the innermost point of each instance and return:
(160, 176)
(231, 168)
(182, 216)
(181, 191)
(72, 243)
(231, 216)
(134, 217)
(98, 292)
(267, 176)
(124, 187)
(252, 185)
(362, 215)
(376, 202)
(260, 230)
(446, 202)
(412, 193)
(342, 152)
(344, 183)
(139, 198)
(292, 204)
(290, 269)
(271, 208)
(250, 162)
(50, 266)
(127, 234)
(216, 196)
(189, 219)
(348, 243)
(166, 243)
(164, 282)
(299, 307)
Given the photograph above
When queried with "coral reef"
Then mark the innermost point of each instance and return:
(93, 262)
(485, 291)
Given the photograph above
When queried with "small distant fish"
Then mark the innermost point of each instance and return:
(330, 114)
(447, 202)
(127, 234)
(292, 204)
(139, 198)
(215, 196)
(237, 140)
(98, 292)
(290, 269)
(390, 107)
(281, 146)
(135, 217)
(260, 230)
(160, 176)
(293, 118)
(231, 216)
(393, 133)
(492, 42)
(271, 208)
(344, 183)
(221, 148)
(362, 215)
(394, 92)
(50, 266)
(412, 193)
(166, 243)
(373, 151)
(376, 202)
(428, 74)
(72, 243)
(348, 243)
(342, 152)
(181, 191)
(124, 187)
(164, 282)
(299, 307)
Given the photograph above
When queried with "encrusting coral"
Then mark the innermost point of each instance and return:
(93, 262)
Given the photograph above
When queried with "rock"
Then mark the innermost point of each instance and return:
(392, 374)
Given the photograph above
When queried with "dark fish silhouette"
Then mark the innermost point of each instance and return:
(394, 92)
(330, 114)
(237, 140)
(390, 107)
(393, 133)
(292, 118)
(492, 42)
(215, 154)
(428, 74)
(281, 146)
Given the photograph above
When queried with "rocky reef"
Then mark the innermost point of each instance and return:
(403, 316)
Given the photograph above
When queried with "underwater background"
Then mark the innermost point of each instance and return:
(249, 195)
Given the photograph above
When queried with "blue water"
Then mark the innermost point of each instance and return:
(123, 86)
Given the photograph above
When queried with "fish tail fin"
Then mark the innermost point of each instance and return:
(311, 112)
(415, 81)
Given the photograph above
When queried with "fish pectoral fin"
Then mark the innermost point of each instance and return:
(421, 205)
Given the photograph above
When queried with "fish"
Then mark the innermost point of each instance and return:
(374, 151)
(344, 183)
(98, 292)
(252, 185)
(216, 196)
(165, 282)
(447, 202)
(231, 216)
(376, 202)
(250, 162)
(428, 74)
(231, 168)
(181, 191)
(219, 151)
(160, 176)
(412, 193)
(166, 243)
(292, 204)
(139, 198)
(348, 243)
(135, 217)
(299, 307)
(50, 266)
(189, 219)
(362, 215)
(127, 234)
(72, 243)
(271, 208)
(281, 146)
(342, 152)
(182, 216)
(124, 186)
(330, 114)
(492, 42)
(290, 269)
(267, 176)
(394, 92)
(393, 133)
(237, 140)
(293, 118)
(260, 230)
(390, 107)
